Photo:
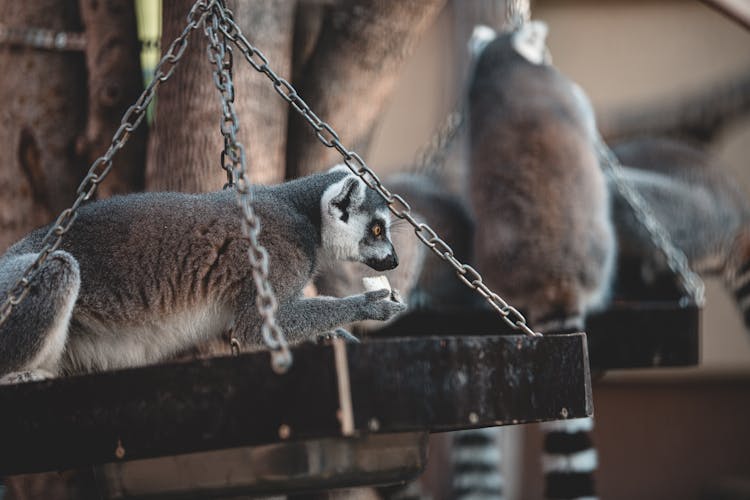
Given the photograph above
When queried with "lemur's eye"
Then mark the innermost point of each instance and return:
(377, 229)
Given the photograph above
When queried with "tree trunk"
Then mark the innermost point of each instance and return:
(351, 74)
(44, 101)
(308, 21)
(114, 83)
(185, 148)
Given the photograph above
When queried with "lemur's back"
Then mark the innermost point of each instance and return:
(183, 245)
(154, 264)
(544, 239)
(704, 211)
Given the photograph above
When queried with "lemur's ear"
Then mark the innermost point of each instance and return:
(480, 38)
(349, 198)
(530, 42)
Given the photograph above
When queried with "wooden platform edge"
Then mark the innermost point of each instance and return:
(397, 385)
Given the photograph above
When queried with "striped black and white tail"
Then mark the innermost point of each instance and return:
(737, 274)
(476, 464)
(569, 459)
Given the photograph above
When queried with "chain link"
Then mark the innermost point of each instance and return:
(221, 82)
(432, 156)
(397, 205)
(517, 13)
(102, 165)
(235, 163)
(40, 38)
(676, 259)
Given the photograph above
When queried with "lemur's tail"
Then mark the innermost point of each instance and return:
(569, 459)
(476, 464)
(737, 274)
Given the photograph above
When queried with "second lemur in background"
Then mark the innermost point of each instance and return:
(704, 211)
(544, 238)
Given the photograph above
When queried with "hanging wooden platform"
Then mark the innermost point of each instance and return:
(395, 385)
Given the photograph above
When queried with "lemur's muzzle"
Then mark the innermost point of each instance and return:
(389, 262)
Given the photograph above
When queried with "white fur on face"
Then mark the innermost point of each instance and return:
(340, 239)
(383, 248)
(530, 42)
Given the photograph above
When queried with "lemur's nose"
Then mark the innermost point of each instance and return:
(385, 263)
(392, 260)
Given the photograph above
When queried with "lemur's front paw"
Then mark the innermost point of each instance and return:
(380, 306)
(338, 333)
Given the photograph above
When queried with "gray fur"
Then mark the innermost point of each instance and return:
(161, 272)
(701, 207)
(544, 238)
(424, 279)
(47, 309)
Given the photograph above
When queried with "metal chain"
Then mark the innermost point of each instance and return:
(517, 13)
(102, 165)
(40, 38)
(397, 205)
(676, 258)
(227, 59)
(433, 155)
(234, 162)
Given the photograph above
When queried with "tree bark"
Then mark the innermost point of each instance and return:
(114, 83)
(308, 21)
(44, 101)
(351, 74)
(185, 145)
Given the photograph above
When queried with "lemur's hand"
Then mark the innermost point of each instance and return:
(379, 306)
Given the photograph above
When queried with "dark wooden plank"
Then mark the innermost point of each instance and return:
(412, 384)
(644, 335)
(167, 409)
(451, 383)
(627, 335)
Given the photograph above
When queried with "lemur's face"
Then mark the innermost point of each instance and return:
(356, 225)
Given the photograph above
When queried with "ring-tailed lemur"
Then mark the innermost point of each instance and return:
(141, 277)
(544, 237)
(704, 211)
